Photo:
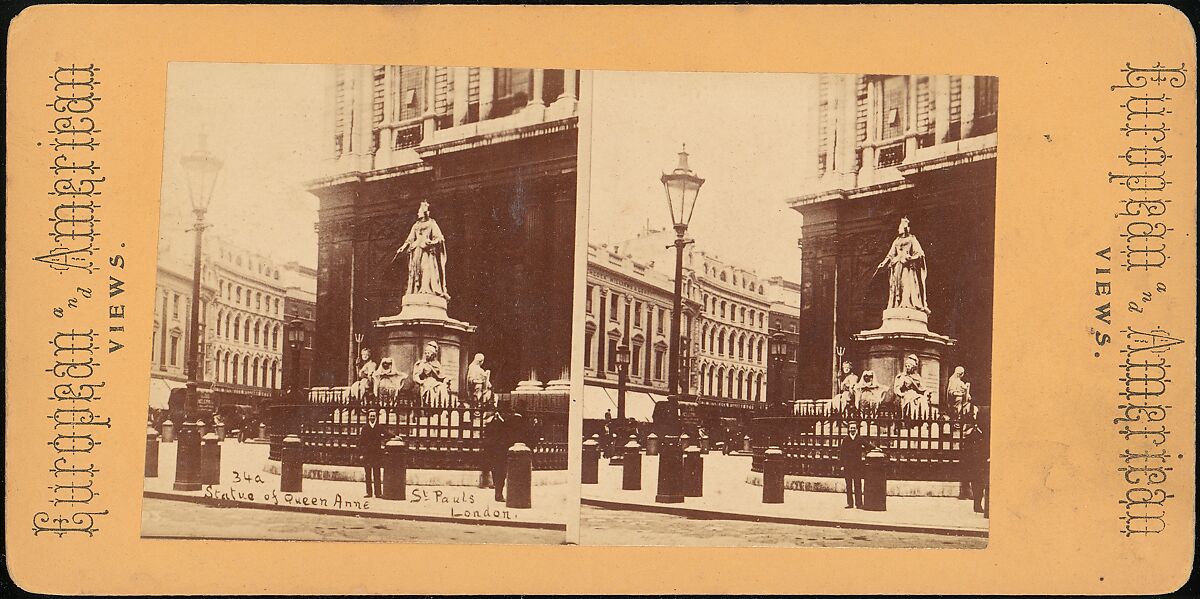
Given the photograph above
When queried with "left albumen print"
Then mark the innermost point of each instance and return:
(362, 323)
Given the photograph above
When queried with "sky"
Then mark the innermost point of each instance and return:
(268, 124)
(749, 135)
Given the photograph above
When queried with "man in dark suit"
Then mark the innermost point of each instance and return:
(974, 463)
(500, 433)
(850, 456)
(370, 448)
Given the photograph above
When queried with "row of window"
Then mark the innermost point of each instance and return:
(637, 357)
(733, 312)
(252, 299)
(717, 381)
(731, 277)
(733, 344)
(251, 330)
(638, 310)
(254, 371)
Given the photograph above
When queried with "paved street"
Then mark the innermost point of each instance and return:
(619, 527)
(729, 489)
(169, 518)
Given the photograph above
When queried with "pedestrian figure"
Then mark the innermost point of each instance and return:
(850, 455)
(974, 464)
(370, 448)
(500, 433)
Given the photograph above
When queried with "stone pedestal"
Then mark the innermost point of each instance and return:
(423, 318)
(905, 331)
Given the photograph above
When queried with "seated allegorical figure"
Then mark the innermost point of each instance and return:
(427, 375)
(364, 376)
(479, 381)
(869, 392)
(847, 389)
(958, 396)
(390, 383)
(909, 389)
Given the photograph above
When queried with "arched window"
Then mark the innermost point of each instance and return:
(245, 370)
(239, 294)
(237, 327)
(235, 364)
(254, 373)
(741, 347)
(275, 337)
(274, 382)
(729, 385)
(721, 343)
(264, 373)
(258, 301)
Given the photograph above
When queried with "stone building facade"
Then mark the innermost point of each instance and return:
(916, 146)
(241, 328)
(725, 322)
(629, 301)
(493, 152)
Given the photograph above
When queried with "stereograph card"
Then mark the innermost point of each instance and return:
(678, 299)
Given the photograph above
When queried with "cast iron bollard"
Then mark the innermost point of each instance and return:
(220, 430)
(652, 444)
(210, 460)
(631, 475)
(291, 468)
(520, 476)
(151, 452)
(746, 447)
(395, 470)
(262, 431)
(693, 468)
(703, 443)
(591, 462)
(875, 481)
(773, 466)
(168, 431)
(187, 458)
(670, 471)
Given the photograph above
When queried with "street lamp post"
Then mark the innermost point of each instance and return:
(201, 169)
(779, 351)
(682, 187)
(622, 380)
(295, 339)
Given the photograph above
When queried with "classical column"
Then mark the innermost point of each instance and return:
(941, 108)
(566, 104)
(537, 105)
(602, 333)
(968, 106)
(873, 118)
(848, 135)
(429, 125)
(462, 77)
(648, 346)
(365, 120)
(487, 91)
(910, 123)
(539, 80)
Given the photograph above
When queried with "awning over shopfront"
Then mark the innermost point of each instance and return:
(638, 405)
(160, 392)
